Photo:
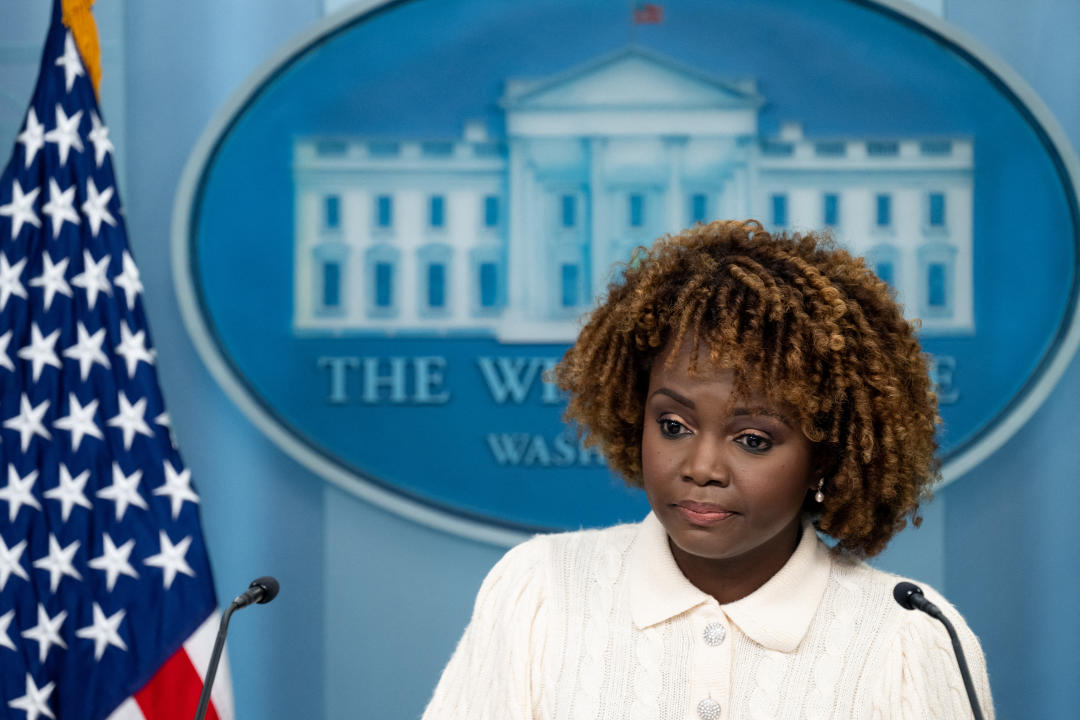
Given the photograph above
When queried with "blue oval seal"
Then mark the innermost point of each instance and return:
(388, 236)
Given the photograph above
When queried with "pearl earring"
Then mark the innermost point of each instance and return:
(819, 496)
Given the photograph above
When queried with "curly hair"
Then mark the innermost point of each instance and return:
(789, 312)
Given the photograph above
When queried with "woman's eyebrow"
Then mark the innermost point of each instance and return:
(767, 412)
(676, 397)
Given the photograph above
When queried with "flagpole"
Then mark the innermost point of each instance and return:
(77, 17)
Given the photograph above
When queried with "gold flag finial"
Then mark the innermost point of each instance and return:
(78, 18)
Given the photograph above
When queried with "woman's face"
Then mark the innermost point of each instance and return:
(727, 480)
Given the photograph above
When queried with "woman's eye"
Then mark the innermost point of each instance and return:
(754, 442)
(672, 428)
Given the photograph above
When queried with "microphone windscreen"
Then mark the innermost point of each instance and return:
(903, 592)
(270, 588)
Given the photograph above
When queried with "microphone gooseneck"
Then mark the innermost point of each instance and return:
(261, 590)
(910, 597)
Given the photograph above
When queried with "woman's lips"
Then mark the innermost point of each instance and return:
(703, 513)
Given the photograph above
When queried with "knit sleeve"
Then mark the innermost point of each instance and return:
(493, 673)
(921, 679)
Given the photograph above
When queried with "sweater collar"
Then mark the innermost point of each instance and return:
(776, 615)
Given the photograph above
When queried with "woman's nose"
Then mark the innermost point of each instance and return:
(706, 462)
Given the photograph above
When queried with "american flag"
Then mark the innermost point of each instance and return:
(648, 13)
(107, 607)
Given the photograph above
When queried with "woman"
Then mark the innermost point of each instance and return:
(761, 389)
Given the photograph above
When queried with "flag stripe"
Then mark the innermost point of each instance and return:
(173, 692)
(128, 710)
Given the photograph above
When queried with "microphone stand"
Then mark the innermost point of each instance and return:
(262, 590)
(215, 658)
(964, 673)
(910, 596)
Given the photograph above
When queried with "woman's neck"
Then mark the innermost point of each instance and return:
(731, 579)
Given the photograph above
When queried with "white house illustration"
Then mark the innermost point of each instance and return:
(513, 237)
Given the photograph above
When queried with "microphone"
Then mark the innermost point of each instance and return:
(261, 590)
(910, 596)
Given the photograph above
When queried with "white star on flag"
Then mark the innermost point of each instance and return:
(9, 280)
(131, 419)
(132, 348)
(178, 488)
(103, 631)
(66, 133)
(36, 700)
(69, 492)
(129, 280)
(52, 279)
(28, 421)
(171, 559)
(19, 492)
(5, 359)
(21, 209)
(93, 278)
(96, 206)
(10, 562)
(32, 138)
(47, 632)
(114, 562)
(79, 421)
(88, 350)
(60, 207)
(5, 622)
(71, 62)
(40, 351)
(99, 136)
(58, 562)
(124, 491)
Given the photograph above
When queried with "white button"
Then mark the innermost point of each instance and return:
(708, 709)
(714, 634)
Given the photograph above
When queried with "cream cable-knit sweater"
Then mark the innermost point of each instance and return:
(602, 624)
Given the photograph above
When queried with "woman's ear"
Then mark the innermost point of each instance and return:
(822, 465)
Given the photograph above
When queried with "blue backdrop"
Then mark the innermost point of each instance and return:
(372, 604)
